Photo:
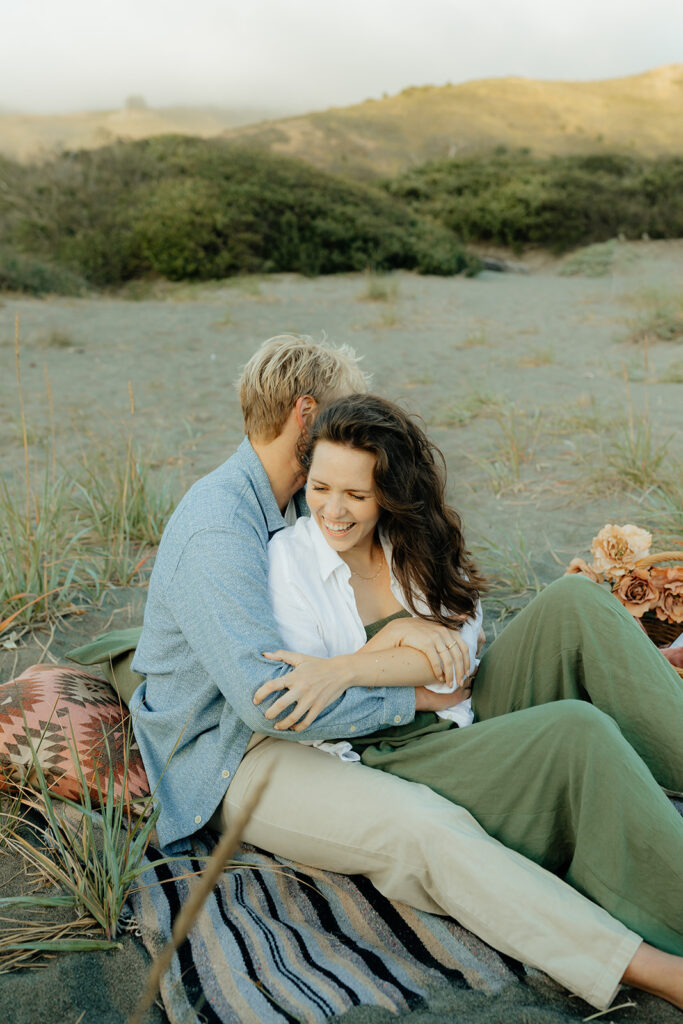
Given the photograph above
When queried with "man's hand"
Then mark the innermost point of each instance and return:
(444, 648)
(310, 687)
(427, 700)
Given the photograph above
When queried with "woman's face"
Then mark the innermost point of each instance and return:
(340, 492)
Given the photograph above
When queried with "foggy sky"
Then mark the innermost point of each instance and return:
(60, 55)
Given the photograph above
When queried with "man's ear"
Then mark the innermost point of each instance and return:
(306, 409)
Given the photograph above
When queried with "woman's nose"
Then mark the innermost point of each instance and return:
(334, 506)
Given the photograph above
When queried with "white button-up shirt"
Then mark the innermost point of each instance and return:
(315, 607)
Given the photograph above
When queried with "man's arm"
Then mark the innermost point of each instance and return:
(219, 598)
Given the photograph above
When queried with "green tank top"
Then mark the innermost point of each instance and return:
(374, 627)
(424, 723)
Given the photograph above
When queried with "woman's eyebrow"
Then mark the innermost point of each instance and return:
(323, 483)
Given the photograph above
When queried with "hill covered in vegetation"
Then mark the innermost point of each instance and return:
(517, 200)
(194, 209)
(199, 209)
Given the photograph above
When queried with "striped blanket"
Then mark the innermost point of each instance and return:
(277, 943)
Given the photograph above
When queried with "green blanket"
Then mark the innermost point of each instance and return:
(113, 653)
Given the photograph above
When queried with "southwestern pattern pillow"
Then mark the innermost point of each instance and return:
(67, 713)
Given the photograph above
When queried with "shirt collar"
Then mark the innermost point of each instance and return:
(327, 559)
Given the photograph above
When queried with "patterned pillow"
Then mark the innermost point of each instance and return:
(62, 709)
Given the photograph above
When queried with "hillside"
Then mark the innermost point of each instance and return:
(34, 136)
(640, 114)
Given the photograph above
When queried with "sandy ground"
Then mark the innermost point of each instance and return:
(504, 367)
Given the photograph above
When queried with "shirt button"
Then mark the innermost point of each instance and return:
(352, 728)
(397, 719)
(198, 819)
(225, 773)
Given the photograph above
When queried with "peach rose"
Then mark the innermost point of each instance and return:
(637, 592)
(616, 548)
(669, 583)
(577, 565)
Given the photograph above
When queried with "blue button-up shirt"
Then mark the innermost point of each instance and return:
(207, 621)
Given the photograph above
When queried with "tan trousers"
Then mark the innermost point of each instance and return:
(420, 849)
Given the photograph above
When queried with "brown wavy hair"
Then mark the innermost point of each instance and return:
(429, 555)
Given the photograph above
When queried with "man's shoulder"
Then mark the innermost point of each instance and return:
(225, 499)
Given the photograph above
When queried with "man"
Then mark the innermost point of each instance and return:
(204, 743)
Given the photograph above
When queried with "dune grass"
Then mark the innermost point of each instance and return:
(379, 288)
(83, 857)
(514, 447)
(91, 857)
(69, 531)
(660, 317)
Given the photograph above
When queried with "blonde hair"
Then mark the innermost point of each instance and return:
(287, 367)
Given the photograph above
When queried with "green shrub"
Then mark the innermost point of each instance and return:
(194, 209)
(33, 276)
(559, 202)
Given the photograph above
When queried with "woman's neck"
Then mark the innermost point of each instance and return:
(363, 558)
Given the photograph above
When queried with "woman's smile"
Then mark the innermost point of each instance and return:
(336, 529)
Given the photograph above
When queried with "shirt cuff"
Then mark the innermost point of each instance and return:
(399, 705)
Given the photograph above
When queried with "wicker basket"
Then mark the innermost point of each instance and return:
(660, 632)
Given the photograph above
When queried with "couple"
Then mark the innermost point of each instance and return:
(557, 783)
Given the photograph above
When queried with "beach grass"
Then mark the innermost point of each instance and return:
(82, 857)
(595, 260)
(69, 531)
(660, 316)
(664, 510)
(379, 288)
(513, 447)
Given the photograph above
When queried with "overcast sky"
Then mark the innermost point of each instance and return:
(60, 55)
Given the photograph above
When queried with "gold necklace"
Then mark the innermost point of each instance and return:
(369, 579)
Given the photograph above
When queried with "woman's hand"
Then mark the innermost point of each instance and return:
(312, 685)
(674, 655)
(444, 648)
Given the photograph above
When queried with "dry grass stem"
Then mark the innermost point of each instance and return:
(199, 893)
(27, 478)
(611, 1009)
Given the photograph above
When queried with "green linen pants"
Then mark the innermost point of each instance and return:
(578, 722)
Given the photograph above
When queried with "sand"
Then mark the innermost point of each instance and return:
(504, 366)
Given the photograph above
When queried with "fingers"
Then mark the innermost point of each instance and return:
(437, 665)
(289, 657)
(283, 702)
(459, 657)
(272, 686)
(313, 713)
(457, 675)
(290, 721)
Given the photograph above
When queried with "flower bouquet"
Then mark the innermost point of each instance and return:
(651, 593)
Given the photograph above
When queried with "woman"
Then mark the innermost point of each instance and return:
(574, 709)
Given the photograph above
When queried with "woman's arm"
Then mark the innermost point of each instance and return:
(315, 683)
(443, 647)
